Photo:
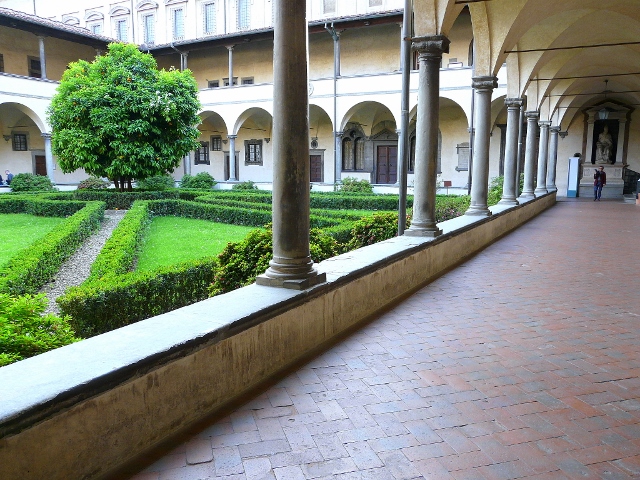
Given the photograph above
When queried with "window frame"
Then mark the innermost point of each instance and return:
(216, 143)
(257, 152)
(326, 10)
(247, 81)
(174, 24)
(243, 14)
(118, 21)
(31, 71)
(214, 23)
(201, 155)
(24, 138)
(225, 81)
(145, 28)
(213, 83)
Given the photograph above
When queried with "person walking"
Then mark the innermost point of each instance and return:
(599, 181)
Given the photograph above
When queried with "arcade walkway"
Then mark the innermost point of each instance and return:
(524, 362)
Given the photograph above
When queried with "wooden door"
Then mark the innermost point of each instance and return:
(226, 166)
(41, 165)
(316, 168)
(387, 164)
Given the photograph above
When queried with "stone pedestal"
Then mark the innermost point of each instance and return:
(614, 186)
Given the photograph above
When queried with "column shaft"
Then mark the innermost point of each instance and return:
(483, 88)
(530, 155)
(338, 156)
(509, 190)
(430, 50)
(543, 158)
(233, 175)
(230, 48)
(622, 132)
(43, 59)
(553, 159)
(291, 266)
(48, 156)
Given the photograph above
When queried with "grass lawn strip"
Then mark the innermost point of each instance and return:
(20, 230)
(172, 240)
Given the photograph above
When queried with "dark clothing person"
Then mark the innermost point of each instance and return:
(599, 181)
(9, 177)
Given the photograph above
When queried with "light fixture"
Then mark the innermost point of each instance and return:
(6, 138)
(267, 139)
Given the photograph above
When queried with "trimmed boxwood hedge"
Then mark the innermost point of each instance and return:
(33, 267)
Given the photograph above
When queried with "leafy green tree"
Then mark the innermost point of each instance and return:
(120, 117)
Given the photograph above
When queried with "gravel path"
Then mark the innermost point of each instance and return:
(76, 269)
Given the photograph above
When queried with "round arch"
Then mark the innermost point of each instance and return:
(11, 119)
(256, 119)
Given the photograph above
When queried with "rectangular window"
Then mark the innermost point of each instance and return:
(213, 83)
(20, 142)
(149, 29)
(244, 20)
(209, 18)
(375, 3)
(96, 28)
(216, 144)
(35, 70)
(225, 81)
(247, 81)
(202, 154)
(177, 23)
(463, 156)
(122, 30)
(253, 152)
(1, 62)
(329, 6)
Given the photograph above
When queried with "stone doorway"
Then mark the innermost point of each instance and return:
(387, 164)
(41, 165)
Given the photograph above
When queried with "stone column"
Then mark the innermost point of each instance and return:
(430, 50)
(230, 48)
(291, 266)
(187, 161)
(553, 159)
(483, 88)
(233, 175)
(336, 51)
(338, 157)
(543, 158)
(529, 155)
(509, 190)
(48, 156)
(43, 59)
(622, 132)
(183, 60)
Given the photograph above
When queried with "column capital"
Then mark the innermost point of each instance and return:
(532, 115)
(229, 47)
(232, 137)
(431, 46)
(45, 135)
(515, 102)
(339, 134)
(544, 124)
(487, 83)
(554, 129)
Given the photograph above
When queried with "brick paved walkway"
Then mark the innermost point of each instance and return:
(522, 363)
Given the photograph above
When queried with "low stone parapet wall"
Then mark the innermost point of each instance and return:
(85, 410)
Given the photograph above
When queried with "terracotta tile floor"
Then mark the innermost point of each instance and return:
(524, 362)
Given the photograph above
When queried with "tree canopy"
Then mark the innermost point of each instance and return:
(120, 117)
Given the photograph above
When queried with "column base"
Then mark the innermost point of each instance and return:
(478, 211)
(552, 188)
(423, 232)
(312, 280)
(509, 201)
(540, 191)
(526, 196)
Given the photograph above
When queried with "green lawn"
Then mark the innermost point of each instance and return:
(173, 240)
(19, 230)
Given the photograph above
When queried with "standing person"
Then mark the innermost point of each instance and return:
(9, 177)
(599, 181)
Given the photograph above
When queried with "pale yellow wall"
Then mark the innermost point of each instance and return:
(320, 55)
(453, 127)
(460, 35)
(16, 46)
(370, 50)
